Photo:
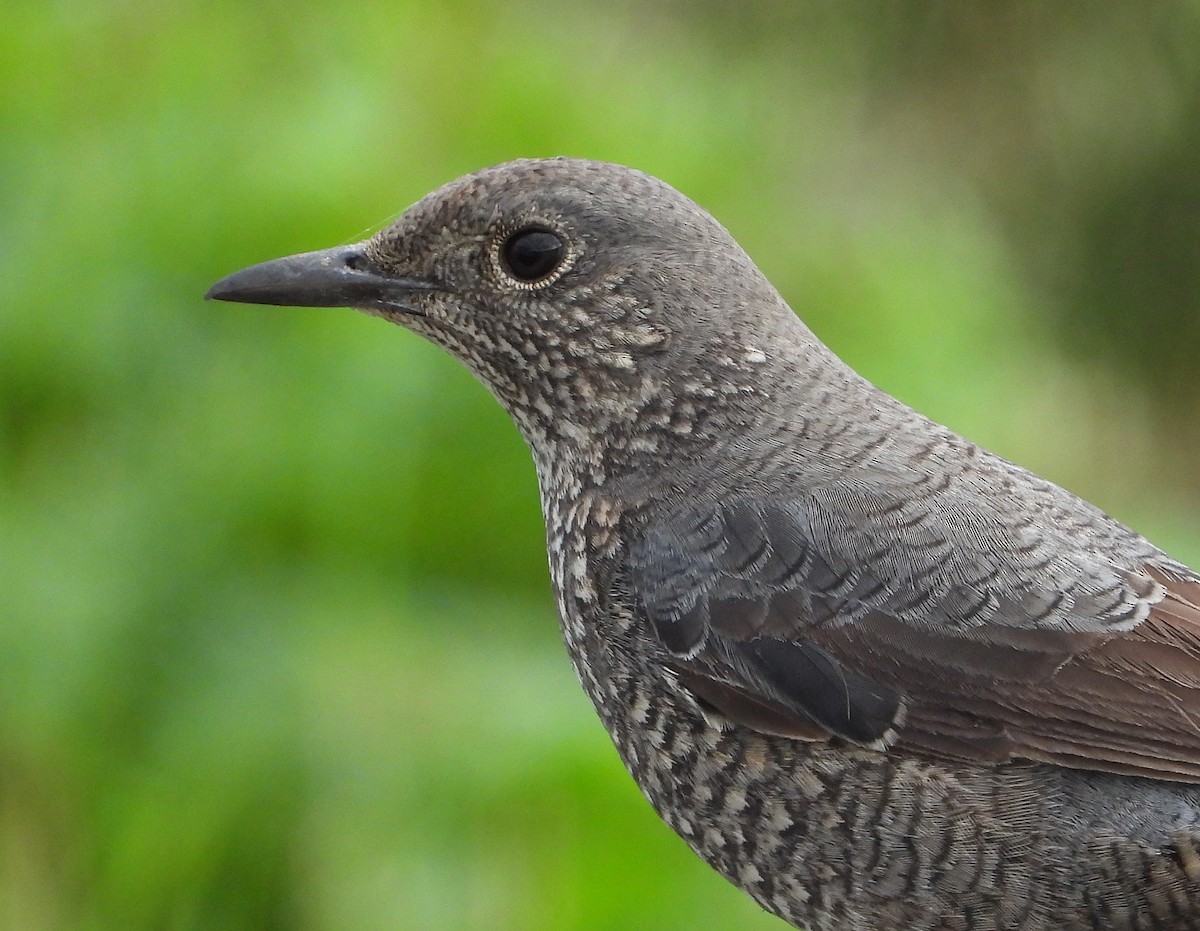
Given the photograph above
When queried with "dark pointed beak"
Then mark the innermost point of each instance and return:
(338, 277)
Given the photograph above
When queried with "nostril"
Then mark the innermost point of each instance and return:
(355, 258)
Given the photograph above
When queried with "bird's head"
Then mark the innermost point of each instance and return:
(592, 299)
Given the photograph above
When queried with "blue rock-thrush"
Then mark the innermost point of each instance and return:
(873, 674)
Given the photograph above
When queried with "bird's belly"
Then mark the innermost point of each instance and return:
(842, 838)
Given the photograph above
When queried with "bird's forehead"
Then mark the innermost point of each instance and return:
(575, 192)
(609, 212)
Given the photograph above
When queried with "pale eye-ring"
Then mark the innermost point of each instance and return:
(532, 254)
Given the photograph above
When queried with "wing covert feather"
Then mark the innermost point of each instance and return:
(853, 616)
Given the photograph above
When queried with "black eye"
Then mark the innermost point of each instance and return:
(532, 254)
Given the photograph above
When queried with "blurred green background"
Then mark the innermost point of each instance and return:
(277, 649)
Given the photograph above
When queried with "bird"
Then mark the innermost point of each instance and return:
(874, 675)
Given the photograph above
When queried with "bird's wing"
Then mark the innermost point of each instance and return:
(854, 614)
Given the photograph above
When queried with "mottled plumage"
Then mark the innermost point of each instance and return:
(875, 675)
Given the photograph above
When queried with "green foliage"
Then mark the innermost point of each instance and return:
(276, 645)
